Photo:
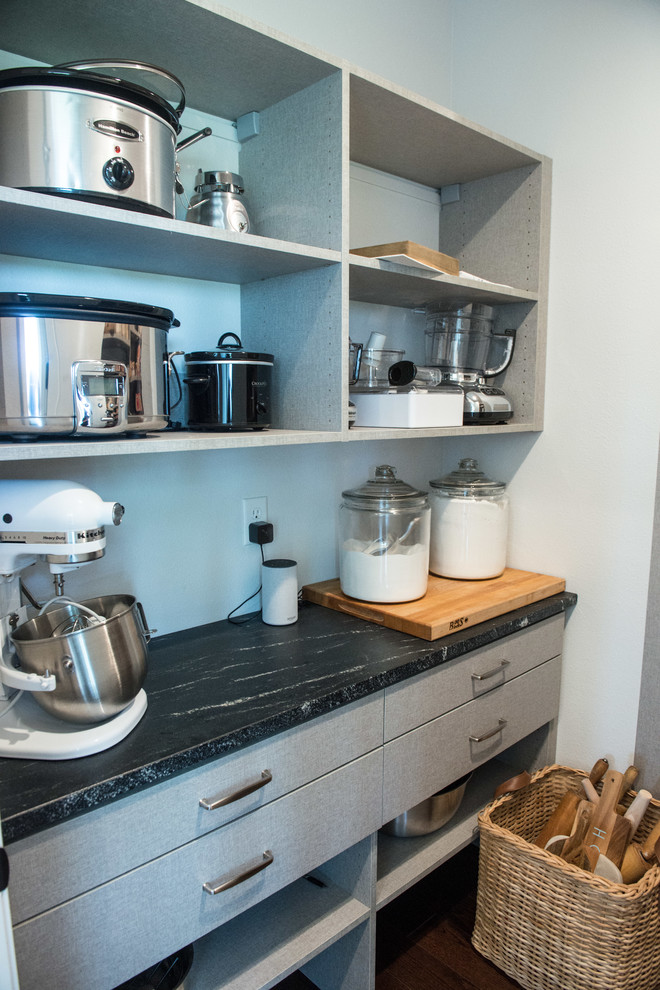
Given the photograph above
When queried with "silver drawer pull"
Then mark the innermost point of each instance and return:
(501, 722)
(211, 803)
(491, 673)
(229, 880)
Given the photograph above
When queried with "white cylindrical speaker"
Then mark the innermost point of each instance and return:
(279, 592)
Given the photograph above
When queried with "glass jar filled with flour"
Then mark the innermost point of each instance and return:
(469, 524)
(385, 536)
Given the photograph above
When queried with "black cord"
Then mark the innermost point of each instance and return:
(243, 621)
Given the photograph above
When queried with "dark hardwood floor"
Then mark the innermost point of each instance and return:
(423, 937)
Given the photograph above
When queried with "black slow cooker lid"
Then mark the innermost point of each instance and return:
(227, 352)
(85, 308)
(211, 357)
(92, 82)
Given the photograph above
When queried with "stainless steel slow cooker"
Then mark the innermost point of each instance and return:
(73, 130)
(78, 366)
(228, 389)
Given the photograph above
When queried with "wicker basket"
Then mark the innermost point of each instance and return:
(553, 926)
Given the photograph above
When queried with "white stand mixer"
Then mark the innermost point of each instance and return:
(62, 523)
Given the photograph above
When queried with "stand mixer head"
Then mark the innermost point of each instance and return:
(61, 521)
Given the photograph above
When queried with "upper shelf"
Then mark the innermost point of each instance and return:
(227, 68)
(391, 284)
(422, 142)
(36, 225)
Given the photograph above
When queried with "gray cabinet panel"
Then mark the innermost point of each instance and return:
(108, 842)
(105, 936)
(428, 695)
(423, 761)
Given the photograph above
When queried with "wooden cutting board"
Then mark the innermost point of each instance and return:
(407, 252)
(447, 606)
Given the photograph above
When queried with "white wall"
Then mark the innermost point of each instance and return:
(574, 80)
(581, 82)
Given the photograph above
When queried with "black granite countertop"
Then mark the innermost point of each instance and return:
(221, 686)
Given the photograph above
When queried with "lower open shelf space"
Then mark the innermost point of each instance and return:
(402, 861)
(276, 937)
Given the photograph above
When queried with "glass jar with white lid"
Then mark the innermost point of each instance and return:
(469, 524)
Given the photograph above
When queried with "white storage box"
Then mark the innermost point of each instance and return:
(441, 406)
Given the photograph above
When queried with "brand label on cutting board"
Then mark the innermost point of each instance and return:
(457, 623)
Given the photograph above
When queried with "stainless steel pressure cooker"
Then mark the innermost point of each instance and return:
(228, 389)
(74, 130)
(78, 366)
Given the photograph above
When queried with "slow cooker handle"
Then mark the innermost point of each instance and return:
(171, 369)
(199, 380)
(117, 63)
(221, 342)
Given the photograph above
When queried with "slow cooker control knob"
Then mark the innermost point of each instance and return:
(118, 173)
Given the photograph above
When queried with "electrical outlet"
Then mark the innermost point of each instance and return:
(254, 510)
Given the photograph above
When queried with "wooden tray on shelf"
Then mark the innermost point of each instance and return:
(447, 606)
(409, 253)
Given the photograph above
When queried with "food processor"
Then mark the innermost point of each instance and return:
(461, 342)
(71, 675)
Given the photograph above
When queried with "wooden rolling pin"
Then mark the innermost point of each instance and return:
(637, 809)
(628, 782)
(639, 858)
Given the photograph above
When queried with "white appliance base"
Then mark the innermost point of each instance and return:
(410, 410)
(27, 732)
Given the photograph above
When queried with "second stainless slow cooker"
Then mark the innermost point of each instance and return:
(228, 389)
(85, 130)
(78, 366)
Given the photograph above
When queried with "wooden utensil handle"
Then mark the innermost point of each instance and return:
(648, 845)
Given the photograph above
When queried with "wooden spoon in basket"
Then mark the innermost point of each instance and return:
(562, 818)
(609, 832)
(574, 850)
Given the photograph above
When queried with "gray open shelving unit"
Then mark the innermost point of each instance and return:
(318, 115)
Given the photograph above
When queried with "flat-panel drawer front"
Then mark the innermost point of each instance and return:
(109, 934)
(105, 843)
(422, 698)
(428, 758)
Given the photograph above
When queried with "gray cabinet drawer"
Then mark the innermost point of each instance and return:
(105, 843)
(428, 758)
(105, 936)
(413, 702)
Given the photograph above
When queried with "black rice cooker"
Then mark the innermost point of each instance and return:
(228, 389)
(88, 130)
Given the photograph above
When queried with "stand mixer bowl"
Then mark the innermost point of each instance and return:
(99, 666)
